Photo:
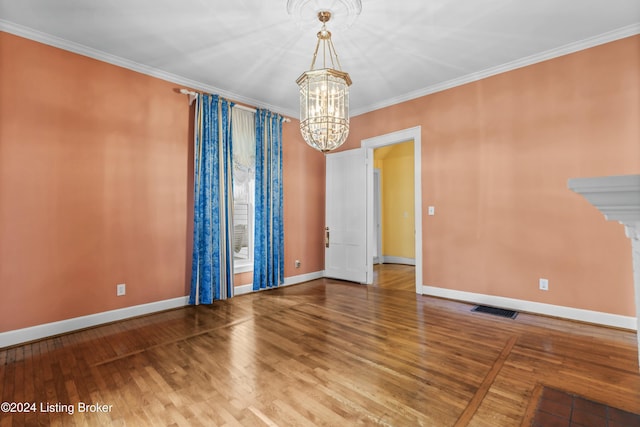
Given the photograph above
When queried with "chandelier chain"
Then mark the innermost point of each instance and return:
(324, 36)
(335, 54)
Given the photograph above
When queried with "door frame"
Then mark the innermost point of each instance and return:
(377, 214)
(369, 145)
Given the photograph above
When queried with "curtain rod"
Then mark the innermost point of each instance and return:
(241, 107)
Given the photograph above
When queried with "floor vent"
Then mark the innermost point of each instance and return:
(495, 311)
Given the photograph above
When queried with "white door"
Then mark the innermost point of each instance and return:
(346, 216)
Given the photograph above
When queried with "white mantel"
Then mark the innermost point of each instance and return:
(618, 198)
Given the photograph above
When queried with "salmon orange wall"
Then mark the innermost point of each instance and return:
(93, 186)
(304, 195)
(496, 157)
(96, 183)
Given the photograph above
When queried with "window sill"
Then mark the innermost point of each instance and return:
(242, 267)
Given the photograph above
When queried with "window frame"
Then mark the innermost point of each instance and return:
(244, 265)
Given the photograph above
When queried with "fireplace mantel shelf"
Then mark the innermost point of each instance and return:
(618, 198)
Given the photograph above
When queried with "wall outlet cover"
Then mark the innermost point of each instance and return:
(121, 289)
(543, 284)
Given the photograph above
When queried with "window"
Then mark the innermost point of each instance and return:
(244, 162)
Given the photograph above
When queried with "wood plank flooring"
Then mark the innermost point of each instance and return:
(321, 353)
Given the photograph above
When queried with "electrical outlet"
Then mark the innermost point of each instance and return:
(121, 289)
(544, 284)
(297, 263)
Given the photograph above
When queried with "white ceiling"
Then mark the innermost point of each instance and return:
(253, 50)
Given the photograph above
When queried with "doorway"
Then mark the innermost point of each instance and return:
(370, 144)
(394, 203)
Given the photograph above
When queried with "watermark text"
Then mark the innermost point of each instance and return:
(55, 407)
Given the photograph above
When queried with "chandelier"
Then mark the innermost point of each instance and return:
(324, 96)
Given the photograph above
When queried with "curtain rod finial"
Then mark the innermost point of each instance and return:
(192, 95)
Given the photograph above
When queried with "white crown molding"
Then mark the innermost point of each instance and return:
(80, 49)
(590, 42)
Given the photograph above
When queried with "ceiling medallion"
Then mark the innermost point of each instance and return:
(305, 12)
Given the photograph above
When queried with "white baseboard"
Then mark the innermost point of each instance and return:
(19, 336)
(398, 260)
(288, 281)
(597, 317)
(294, 280)
(242, 289)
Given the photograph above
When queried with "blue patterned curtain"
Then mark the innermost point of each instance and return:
(212, 267)
(268, 268)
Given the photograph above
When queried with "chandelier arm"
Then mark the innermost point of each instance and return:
(332, 48)
(324, 51)
(315, 54)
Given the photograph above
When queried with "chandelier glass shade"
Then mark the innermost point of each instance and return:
(324, 97)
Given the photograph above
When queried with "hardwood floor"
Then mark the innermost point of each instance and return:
(320, 353)
(398, 277)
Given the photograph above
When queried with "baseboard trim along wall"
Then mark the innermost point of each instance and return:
(597, 317)
(398, 260)
(293, 280)
(19, 336)
(33, 333)
(242, 289)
